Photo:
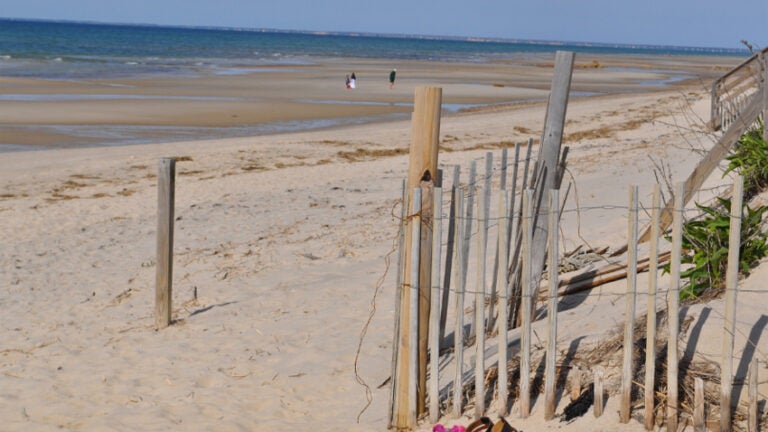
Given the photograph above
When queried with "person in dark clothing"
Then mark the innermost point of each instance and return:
(392, 78)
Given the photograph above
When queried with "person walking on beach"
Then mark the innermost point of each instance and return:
(352, 81)
(347, 82)
(392, 78)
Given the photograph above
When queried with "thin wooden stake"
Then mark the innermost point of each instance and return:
(549, 380)
(394, 368)
(413, 308)
(627, 371)
(449, 253)
(458, 334)
(731, 287)
(753, 426)
(699, 421)
(575, 383)
(166, 185)
(468, 232)
(482, 239)
(501, 276)
(599, 392)
(673, 307)
(650, 334)
(525, 336)
(434, 325)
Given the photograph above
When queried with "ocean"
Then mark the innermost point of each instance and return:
(73, 50)
(84, 53)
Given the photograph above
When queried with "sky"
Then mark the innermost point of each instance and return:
(698, 23)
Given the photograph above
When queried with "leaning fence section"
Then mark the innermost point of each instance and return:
(481, 362)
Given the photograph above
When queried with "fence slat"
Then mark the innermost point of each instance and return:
(166, 185)
(468, 231)
(501, 275)
(673, 306)
(449, 253)
(482, 235)
(599, 392)
(458, 334)
(549, 380)
(699, 421)
(650, 334)
(629, 325)
(413, 308)
(752, 425)
(394, 371)
(731, 287)
(434, 313)
(525, 336)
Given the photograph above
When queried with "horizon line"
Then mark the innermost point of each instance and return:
(479, 39)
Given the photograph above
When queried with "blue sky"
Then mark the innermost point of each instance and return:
(705, 23)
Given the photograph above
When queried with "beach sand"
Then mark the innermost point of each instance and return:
(283, 243)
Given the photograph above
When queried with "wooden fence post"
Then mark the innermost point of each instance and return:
(673, 306)
(501, 276)
(525, 336)
(549, 157)
(699, 421)
(549, 380)
(422, 173)
(599, 392)
(731, 287)
(434, 326)
(458, 333)
(482, 233)
(650, 334)
(166, 185)
(626, 378)
(753, 425)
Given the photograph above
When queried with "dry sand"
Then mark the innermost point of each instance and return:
(281, 248)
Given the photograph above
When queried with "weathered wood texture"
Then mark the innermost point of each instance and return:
(732, 92)
(629, 316)
(673, 306)
(166, 185)
(731, 285)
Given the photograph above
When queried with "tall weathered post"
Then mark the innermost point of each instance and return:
(166, 179)
(422, 173)
(549, 160)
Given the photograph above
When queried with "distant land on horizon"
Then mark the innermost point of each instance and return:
(480, 39)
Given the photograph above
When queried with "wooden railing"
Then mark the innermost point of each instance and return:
(732, 92)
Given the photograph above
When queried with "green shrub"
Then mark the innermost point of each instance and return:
(705, 246)
(750, 159)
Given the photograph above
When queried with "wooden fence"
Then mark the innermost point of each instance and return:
(732, 93)
(466, 220)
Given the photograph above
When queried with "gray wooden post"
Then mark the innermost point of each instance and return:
(525, 335)
(731, 287)
(482, 238)
(166, 184)
(549, 156)
(458, 334)
(673, 306)
(413, 308)
(449, 253)
(501, 276)
(549, 380)
(629, 325)
(434, 311)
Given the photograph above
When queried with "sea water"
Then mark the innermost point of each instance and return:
(73, 50)
(82, 51)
